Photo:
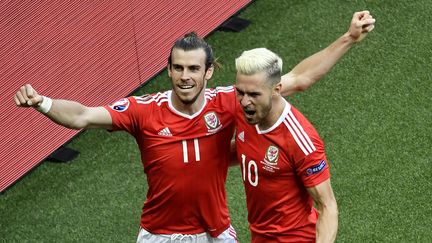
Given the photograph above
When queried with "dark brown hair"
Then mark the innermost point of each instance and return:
(191, 41)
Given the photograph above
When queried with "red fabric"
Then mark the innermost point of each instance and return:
(276, 171)
(185, 159)
(93, 52)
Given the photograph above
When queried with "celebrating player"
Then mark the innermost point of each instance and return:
(282, 157)
(184, 137)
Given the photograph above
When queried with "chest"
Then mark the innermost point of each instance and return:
(169, 141)
(266, 155)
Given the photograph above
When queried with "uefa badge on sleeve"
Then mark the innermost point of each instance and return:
(120, 105)
(316, 169)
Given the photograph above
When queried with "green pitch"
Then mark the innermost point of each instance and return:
(373, 110)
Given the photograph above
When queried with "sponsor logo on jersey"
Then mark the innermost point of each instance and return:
(120, 105)
(212, 122)
(271, 158)
(165, 132)
(241, 136)
(316, 169)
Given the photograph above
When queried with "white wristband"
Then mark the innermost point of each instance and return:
(45, 106)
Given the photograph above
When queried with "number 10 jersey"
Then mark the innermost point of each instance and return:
(278, 164)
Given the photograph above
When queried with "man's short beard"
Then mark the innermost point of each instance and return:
(191, 101)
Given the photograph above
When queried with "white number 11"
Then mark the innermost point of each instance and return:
(185, 150)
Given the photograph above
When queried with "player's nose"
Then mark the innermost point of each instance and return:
(245, 101)
(185, 75)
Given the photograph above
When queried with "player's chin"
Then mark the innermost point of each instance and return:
(188, 98)
(251, 120)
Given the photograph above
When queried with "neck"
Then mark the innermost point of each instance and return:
(278, 105)
(189, 108)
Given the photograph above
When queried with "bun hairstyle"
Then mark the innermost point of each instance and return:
(191, 41)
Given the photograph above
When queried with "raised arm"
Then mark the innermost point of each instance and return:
(311, 69)
(67, 113)
(327, 224)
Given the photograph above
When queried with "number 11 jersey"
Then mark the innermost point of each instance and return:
(185, 159)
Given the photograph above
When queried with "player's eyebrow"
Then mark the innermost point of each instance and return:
(197, 67)
(239, 90)
(242, 92)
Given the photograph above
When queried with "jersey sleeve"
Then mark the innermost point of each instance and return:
(228, 99)
(314, 168)
(307, 151)
(125, 115)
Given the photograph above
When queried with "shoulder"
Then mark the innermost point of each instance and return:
(151, 99)
(134, 104)
(302, 135)
(222, 99)
(220, 91)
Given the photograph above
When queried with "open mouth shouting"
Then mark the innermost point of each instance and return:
(249, 113)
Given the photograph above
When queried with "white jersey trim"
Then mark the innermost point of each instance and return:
(173, 109)
(210, 93)
(308, 143)
(158, 98)
(162, 97)
(287, 108)
(295, 128)
(300, 136)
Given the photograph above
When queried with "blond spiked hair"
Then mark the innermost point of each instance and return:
(260, 60)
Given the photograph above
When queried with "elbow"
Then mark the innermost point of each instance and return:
(304, 84)
(74, 126)
(329, 207)
(77, 124)
(301, 87)
(333, 210)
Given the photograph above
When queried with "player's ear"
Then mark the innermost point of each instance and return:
(277, 89)
(169, 70)
(209, 72)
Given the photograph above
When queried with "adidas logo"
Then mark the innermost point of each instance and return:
(165, 132)
(241, 136)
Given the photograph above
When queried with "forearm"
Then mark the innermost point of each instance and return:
(313, 68)
(327, 224)
(321, 62)
(67, 113)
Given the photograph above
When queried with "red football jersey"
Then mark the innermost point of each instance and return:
(277, 165)
(185, 158)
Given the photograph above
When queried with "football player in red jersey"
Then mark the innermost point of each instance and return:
(282, 157)
(183, 134)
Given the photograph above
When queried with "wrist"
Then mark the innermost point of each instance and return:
(45, 106)
(349, 39)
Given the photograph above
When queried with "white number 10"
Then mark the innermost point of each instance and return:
(251, 164)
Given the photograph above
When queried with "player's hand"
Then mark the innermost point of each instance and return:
(27, 96)
(361, 24)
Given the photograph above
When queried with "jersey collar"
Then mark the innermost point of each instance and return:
(287, 108)
(173, 109)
